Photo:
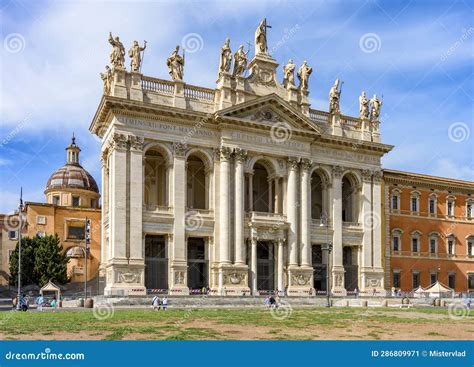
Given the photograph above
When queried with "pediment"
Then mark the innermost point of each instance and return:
(268, 111)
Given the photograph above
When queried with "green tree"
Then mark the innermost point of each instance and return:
(42, 259)
(50, 261)
(27, 263)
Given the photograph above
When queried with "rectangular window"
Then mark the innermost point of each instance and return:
(432, 206)
(40, 234)
(75, 201)
(414, 244)
(416, 280)
(13, 235)
(432, 246)
(56, 200)
(395, 202)
(396, 243)
(396, 279)
(76, 231)
(470, 248)
(452, 281)
(414, 204)
(469, 210)
(40, 219)
(450, 208)
(450, 247)
(433, 278)
(470, 281)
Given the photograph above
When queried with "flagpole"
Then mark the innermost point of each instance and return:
(20, 220)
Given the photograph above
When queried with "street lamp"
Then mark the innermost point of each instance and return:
(20, 227)
(328, 248)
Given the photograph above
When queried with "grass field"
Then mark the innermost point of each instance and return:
(257, 324)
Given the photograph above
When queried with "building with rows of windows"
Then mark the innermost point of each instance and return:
(429, 231)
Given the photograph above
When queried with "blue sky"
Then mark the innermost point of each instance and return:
(417, 54)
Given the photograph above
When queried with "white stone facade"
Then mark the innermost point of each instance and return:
(233, 182)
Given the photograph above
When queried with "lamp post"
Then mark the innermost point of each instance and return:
(328, 248)
(20, 227)
(85, 249)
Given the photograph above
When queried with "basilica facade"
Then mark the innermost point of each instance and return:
(241, 189)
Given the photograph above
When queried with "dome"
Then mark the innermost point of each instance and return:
(72, 175)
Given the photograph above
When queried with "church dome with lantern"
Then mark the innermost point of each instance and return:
(72, 185)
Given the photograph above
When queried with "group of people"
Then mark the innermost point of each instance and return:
(272, 302)
(24, 303)
(158, 303)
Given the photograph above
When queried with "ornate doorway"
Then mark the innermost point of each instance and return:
(265, 266)
(156, 263)
(198, 277)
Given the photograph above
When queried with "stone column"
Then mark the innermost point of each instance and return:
(337, 268)
(224, 204)
(377, 230)
(250, 191)
(366, 220)
(178, 262)
(104, 211)
(117, 263)
(270, 194)
(135, 203)
(292, 212)
(277, 195)
(305, 213)
(253, 261)
(240, 156)
(280, 264)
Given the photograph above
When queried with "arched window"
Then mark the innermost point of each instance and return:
(317, 188)
(395, 200)
(196, 183)
(349, 200)
(415, 202)
(156, 180)
(415, 242)
(261, 189)
(432, 204)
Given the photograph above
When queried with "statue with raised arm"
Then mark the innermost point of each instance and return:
(261, 38)
(240, 61)
(375, 105)
(363, 106)
(303, 75)
(136, 57)
(334, 96)
(175, 65)
(289, 74)
(226, 58)
(106, 77)
(117, 56)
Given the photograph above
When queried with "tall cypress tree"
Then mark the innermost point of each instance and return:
(27, 263)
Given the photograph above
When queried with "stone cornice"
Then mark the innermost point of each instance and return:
(415, 179)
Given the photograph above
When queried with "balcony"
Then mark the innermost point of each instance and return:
(265, 219)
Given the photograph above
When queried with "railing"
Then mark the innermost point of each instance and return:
(351, 224)
(200, 211)
(351, 121)
(199, 93)
(319, 116)
(158, 208)
(158, 85)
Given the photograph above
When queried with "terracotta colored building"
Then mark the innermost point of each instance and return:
(428, 231)
(72, 195)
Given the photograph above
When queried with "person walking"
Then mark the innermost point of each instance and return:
(165, 303)
(53, 303)
(468, 301)
(156, 303)
(39, 303)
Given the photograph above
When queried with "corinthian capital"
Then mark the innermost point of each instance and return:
(119, 141)
(337, 171)
(305, 164)
(240, 155)
(224, 153)
(293, 163)
(136, 143)
(179, 150)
